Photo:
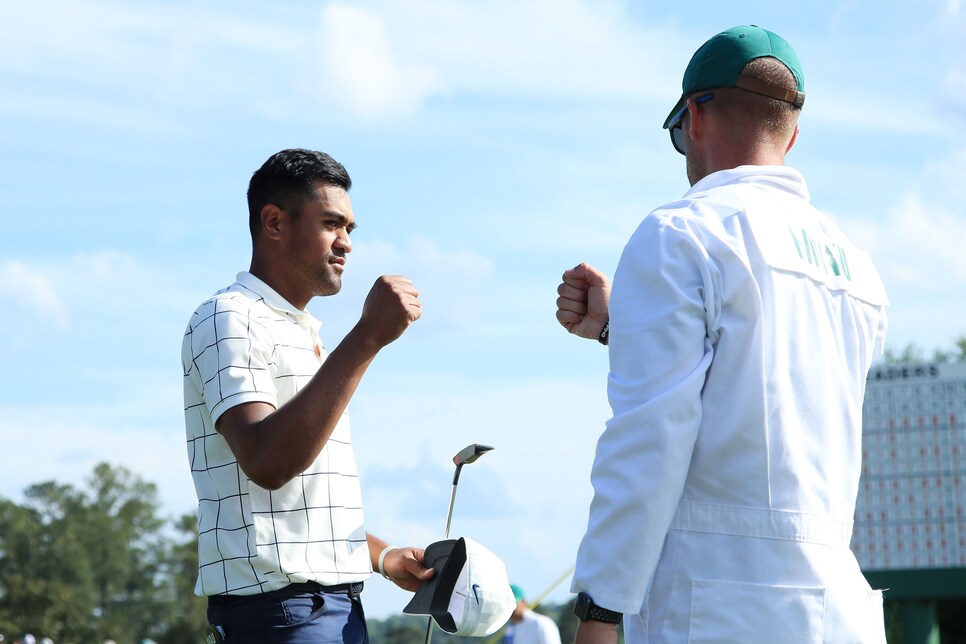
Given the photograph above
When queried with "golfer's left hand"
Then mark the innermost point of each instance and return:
(404, 567)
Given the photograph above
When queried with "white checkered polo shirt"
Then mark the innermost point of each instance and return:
(245, 344)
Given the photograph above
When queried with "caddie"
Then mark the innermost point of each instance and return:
(741, 327)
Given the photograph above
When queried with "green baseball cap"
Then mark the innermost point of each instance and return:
(719, 61)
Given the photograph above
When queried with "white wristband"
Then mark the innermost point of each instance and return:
(382, 559)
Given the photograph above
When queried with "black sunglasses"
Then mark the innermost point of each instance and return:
(674, 125)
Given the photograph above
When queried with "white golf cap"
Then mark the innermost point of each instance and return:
(469, 594)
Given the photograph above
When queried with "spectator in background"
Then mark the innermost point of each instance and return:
(527, 626)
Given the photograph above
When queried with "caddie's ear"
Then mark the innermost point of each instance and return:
(272, 221)
(695, 122)
(794, 138)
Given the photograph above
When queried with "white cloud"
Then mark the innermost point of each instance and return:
(64, 442)
(828, 104)
(916, 247)
(99, 287)
(32, 293)
(390, 58)
(118, 62)
(454, 285)
(381, 60)
(919, 245)
(944, 179)
(126, 318)
(532, 48)
(360, 67)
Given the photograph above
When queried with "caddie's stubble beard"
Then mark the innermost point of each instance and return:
(695, 170)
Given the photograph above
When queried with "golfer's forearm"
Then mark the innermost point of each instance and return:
(376, 546)
(274, 446)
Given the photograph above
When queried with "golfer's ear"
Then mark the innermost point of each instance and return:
(272, 221)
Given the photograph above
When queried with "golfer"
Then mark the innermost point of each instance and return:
(282, 547)
(741, 327)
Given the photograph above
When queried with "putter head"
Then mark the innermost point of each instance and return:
(470, 453)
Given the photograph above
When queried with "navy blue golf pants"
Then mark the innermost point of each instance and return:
(297, 614)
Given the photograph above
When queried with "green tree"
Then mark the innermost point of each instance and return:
(44, 578)
(117, 525)
(913, 354)
(188, 619)
(400, 629)
(85, 565)
(957, 354)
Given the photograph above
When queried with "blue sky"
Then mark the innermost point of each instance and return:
(491, 145)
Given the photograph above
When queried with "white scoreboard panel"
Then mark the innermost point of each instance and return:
(911, 509)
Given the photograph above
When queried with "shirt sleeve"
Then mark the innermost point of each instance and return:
(662, 306)
(234, 356)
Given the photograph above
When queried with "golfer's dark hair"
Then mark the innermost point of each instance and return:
(288, 178)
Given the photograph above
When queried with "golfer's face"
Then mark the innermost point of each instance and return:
(319, 240)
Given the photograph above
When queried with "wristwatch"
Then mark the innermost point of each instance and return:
(585, 609)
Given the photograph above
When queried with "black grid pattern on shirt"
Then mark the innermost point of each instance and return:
(237, 349)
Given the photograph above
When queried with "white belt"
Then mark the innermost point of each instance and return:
(741, 521)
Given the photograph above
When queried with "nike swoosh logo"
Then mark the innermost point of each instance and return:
(475, 586)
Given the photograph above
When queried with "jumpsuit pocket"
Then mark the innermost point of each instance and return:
(876, 617)
(730, 611)
(856, 617)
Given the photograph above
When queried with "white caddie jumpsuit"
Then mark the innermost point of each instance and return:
(743, 325)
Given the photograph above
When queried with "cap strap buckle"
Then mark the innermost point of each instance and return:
(758, 86)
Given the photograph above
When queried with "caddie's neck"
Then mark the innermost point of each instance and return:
(713, 146)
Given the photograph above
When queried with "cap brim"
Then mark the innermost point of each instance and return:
(469, 594)
(674, 110)
(433, 595)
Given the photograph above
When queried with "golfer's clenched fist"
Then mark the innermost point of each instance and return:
(391, 306)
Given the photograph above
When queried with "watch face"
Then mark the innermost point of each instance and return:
(582, 606)
(583, 609)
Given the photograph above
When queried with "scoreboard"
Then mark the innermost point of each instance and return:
(911, 507)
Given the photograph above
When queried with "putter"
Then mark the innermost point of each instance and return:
(468, 454)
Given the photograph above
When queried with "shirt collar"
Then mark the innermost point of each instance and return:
(781, 177)
(277, 302)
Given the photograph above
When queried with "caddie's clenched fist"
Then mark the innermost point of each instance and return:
(584, 298)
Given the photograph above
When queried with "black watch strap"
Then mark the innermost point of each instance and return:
(604, 333)
(585, 609)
